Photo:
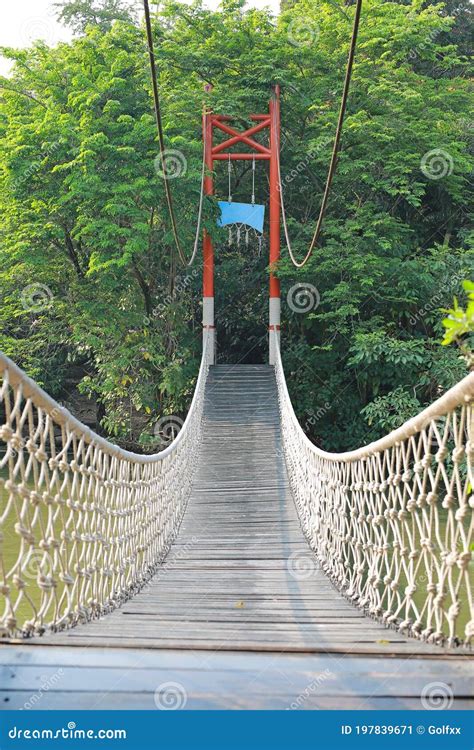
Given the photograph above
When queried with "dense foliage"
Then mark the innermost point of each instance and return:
(92, 293)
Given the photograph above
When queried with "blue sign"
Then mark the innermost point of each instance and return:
(242, 213)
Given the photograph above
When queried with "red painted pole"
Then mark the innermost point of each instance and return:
(274, 303)
(208, 249)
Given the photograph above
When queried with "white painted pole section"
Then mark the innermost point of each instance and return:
(274, 328)
(208, 328)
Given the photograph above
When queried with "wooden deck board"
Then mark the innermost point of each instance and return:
(226, 616)
(90, 678)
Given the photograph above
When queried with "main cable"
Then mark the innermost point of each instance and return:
(159, 124)
(335, 149)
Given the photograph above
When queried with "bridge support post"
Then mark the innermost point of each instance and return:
(274, 302)
(208, 326)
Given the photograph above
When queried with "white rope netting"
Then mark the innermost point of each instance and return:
(391, 523)
(83, 523)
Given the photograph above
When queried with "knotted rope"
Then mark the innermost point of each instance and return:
(391, 523)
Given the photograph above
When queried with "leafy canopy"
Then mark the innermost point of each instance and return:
(83, 209)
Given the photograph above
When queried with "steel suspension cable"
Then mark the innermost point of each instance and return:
(335, 150)
(161, 140)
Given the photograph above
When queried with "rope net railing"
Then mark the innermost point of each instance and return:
(391, 523)
(83, 523)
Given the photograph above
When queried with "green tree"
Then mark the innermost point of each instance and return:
(78, 14)
(83, 209)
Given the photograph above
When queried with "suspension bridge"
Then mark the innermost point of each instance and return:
(241, 563)
(242, 566)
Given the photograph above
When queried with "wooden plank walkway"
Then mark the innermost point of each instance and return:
(240, 578)
(128, 679)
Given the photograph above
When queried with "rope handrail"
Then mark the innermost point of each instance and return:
(83, 523)
(62, 416)
(455, 396)
(391, 523)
